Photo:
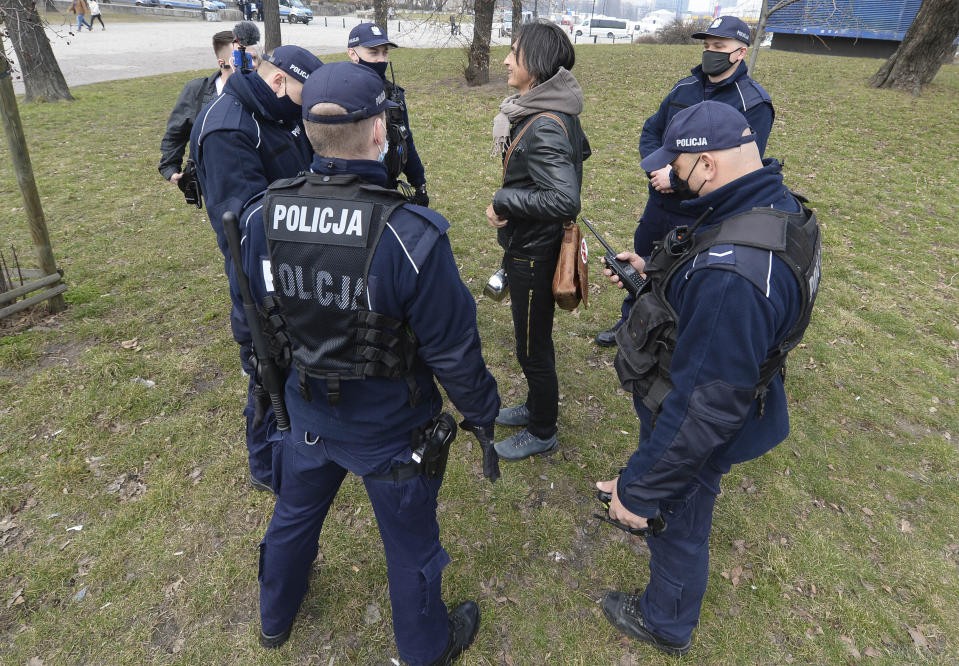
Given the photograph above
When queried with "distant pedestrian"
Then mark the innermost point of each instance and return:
(95, 14)
(259, 10)
(81, 9)
(453, 27)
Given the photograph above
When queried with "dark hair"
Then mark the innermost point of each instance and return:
(543, 48)
(221, 39)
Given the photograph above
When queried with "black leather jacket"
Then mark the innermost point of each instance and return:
(194, 96)
(541, 186)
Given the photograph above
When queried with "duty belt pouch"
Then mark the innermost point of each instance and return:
(645, 347)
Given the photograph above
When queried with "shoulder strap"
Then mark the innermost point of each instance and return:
(523, 131)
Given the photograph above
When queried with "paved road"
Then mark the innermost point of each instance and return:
(130, 50)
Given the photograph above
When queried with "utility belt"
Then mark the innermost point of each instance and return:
(431, 449)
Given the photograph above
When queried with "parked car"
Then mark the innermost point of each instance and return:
(291, 11)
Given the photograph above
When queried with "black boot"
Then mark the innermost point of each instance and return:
(622, 610)
(608, 337)
(464, 623)
(275, 641)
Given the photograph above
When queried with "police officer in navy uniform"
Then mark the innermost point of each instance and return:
(242, 141)
(369, 45)
(728, 296)
(722, 77)
(372, 302)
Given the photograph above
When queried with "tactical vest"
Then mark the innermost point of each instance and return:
(396, 132)
(647, 341)
(322, 232)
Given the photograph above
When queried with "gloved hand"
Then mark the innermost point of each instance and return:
(484, 435)
(261, 403)
(420, 197)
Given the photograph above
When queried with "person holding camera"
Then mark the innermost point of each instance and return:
(721, 77)
(241, 142)
(538, 134)
(370, 46)
(374, 310)
(703, 353)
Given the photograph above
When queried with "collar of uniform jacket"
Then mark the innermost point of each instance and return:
(740, 195)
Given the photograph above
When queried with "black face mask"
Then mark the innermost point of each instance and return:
(378, 67)
(716, 62)
(682, 189)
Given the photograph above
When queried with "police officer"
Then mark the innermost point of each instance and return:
(245, 139)
(730, 297)
(373, 305)
(369, 45)
(722, 77)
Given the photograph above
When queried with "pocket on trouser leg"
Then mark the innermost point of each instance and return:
(664, 595)
(430, 573)
(259, 566)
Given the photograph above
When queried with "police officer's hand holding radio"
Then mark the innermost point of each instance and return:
(364, 286)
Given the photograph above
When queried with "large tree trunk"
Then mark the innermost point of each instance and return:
(477, 72)
(517, 16)
(380, 12)
(760, 34)
(271, 25)
(925, 47)
(42, 78)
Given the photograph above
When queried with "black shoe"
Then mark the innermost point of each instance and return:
(260, 485)
(464, 623)
(275, 641)
(622, 610)
(608, 337)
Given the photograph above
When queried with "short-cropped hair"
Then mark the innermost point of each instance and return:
(221, 39)
(347, 141)
(542, 47)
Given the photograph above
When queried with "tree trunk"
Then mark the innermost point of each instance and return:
(927, 44)
(380, 12)
(764, 13)
(271, 25)
(477, 72)
(42, 78)
(517, 16)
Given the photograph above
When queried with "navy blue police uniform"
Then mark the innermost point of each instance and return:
(402, 157)
(241, 142)
(734, 306)
(364, 425)
(665, 211)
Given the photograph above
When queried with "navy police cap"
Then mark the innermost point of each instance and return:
(726, 26)
(295, 61)
(700, 128)
(370, 35)
(354, 87)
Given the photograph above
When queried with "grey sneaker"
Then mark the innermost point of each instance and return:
(513, 416)
(622, 611)
(524, 444)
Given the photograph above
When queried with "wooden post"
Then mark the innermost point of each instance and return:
(24, 170)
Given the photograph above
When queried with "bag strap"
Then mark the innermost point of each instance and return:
(519, 136)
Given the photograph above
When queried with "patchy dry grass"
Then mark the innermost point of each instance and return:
(841, 544)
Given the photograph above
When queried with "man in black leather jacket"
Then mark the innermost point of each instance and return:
(194, 96)
(542, 176)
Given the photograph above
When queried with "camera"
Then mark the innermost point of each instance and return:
(497, 287)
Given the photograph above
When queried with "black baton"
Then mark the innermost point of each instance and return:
(272, 379)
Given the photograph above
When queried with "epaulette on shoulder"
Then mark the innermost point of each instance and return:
(417, 229)
(753, 93)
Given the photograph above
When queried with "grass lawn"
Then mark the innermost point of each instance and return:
(839, 545)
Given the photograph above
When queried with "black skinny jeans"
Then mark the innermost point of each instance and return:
(531, 299)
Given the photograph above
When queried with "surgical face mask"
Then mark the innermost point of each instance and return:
(378, 67)
(386, 149)
(716, 62)
(682, 184)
